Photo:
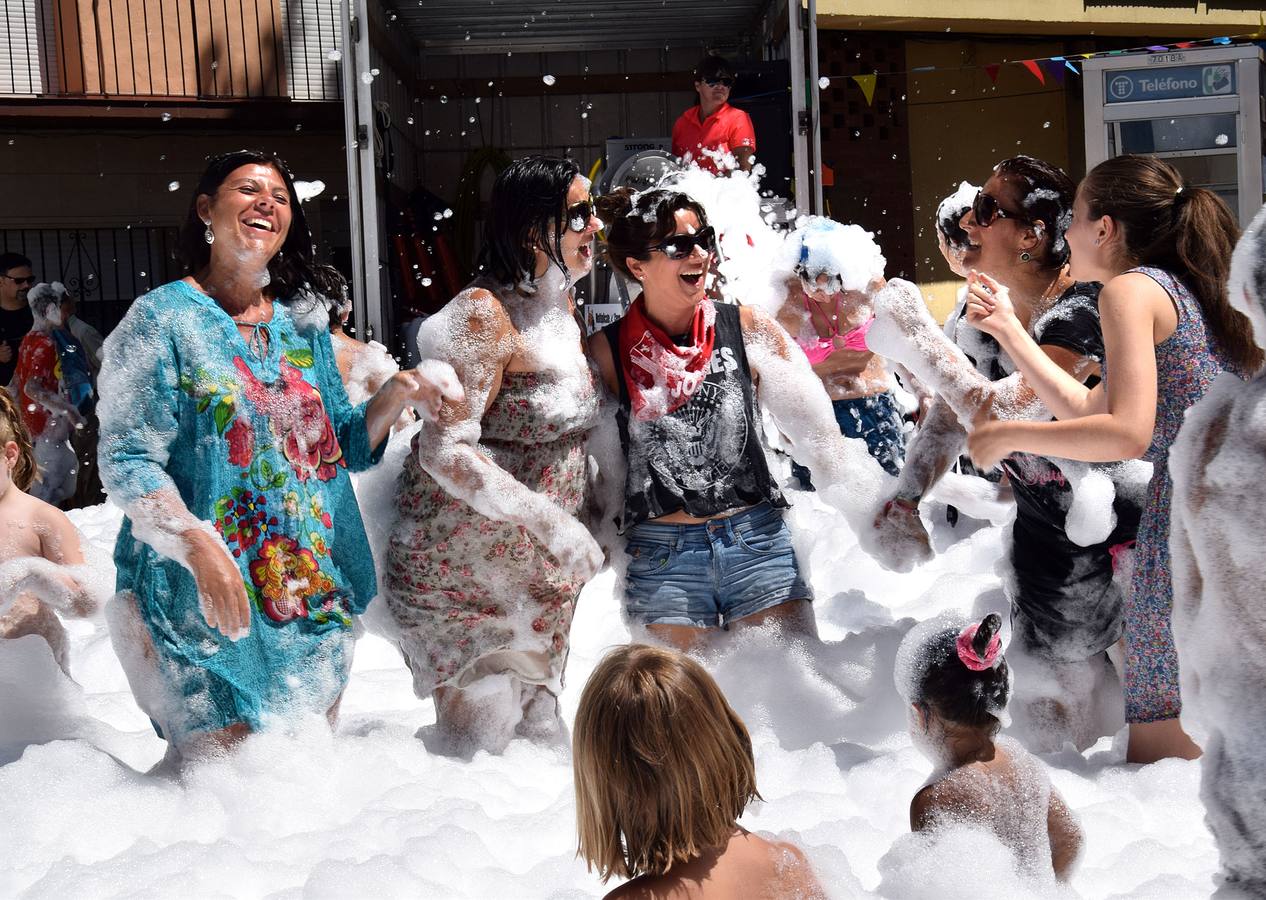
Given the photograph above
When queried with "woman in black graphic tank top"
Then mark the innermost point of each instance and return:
(701, 514)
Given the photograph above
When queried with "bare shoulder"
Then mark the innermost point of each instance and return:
(473, 333)
(644, 887)
(953, 794)
(59, 540)
(794, 873)
(1128, 291)
(754, 318)
(481, 309)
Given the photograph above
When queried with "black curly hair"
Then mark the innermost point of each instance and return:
(959, 694)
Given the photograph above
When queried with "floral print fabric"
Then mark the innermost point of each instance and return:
(261, 449)
(464, 588)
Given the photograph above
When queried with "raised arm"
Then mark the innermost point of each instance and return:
(989, 308)
(1116, 424)
(139, 390)
(474, 335)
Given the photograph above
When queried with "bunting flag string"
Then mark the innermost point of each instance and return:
(867, 84)
(1039, 67)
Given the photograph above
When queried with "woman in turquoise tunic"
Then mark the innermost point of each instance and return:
(228, 439)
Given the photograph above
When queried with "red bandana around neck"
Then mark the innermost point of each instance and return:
(662, 377)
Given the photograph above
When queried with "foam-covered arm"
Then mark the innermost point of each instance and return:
(139, 395)
(140, 386)
(905, 332)
(932, 451)
(850, 477)
(474, 335)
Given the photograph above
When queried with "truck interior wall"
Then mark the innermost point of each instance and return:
(547, 122)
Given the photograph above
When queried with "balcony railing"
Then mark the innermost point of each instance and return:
(172, 49)
(105, 268)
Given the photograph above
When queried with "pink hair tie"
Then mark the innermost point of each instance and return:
(967, 653)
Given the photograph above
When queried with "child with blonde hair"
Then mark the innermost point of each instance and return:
(956, 681)
(664, 770)
(30, 531)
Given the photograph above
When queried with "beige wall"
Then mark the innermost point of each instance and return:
(1156, 19)
(962, 124)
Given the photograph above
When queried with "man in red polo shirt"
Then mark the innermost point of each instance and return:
(714, 125)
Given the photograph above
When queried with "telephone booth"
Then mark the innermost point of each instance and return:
(1201, 110)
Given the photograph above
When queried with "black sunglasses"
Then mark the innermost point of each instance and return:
(985, 210)
(579, 214)
(29, 279)
(679, 246)
(723, 81)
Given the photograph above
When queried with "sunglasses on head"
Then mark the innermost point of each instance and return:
(680, 246)
(29, 279)
(579, 214)
(723, 81)
(985, 210)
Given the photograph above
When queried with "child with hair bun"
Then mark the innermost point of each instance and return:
(664, 770)
(957, 683)
(31, 529)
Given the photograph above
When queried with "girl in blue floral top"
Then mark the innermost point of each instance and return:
(227, 438)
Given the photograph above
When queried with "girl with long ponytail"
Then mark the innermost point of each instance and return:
(1163, 252)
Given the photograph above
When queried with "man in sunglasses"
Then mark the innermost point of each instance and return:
(713, 127)
(16, 320)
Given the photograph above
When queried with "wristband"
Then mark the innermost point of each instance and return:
(910, 504)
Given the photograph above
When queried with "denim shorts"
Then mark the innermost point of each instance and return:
(876, 419)
(712, 573)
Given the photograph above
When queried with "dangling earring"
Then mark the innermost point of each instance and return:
(1097, 242)
(1025, 256)
(208, 235)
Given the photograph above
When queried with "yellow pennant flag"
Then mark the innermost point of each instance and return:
(867, 84)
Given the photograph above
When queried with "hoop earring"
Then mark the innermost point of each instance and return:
(208, 235)
(1025, 256)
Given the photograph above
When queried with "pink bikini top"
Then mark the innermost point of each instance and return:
(821, 348)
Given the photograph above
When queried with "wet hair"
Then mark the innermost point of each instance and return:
(949, 217)
(663, 766)
(44, 295)
(294, 270)
(959, 694)
(713, 66)
(12, 428)
(638, 221)
(11, 261)
(526, 211)
(1187, 231)
(1046, 195)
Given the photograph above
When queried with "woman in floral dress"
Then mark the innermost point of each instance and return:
(487, 557)
(227, 438)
